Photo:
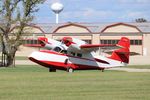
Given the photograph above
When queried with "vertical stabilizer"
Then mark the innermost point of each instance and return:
(122, 54)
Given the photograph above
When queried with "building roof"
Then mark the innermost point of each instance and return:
(144, 27)
(93, 27)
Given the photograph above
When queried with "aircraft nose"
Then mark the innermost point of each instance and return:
(33, 55)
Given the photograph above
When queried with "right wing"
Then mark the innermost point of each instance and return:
(90, 47)
(123, 43)
(94, 47)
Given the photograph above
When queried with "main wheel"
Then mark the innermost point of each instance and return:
(102, 70)
(70, 70)
(52, 70)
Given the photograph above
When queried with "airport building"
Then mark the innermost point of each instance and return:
(92, 33)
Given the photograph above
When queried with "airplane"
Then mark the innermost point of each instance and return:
(72, 54)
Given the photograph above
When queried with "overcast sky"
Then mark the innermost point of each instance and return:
(95, 11)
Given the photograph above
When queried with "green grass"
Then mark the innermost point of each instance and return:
(21, 58)
(36, 83)
(18, 58)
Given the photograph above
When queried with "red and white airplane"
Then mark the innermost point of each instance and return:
(73, 54)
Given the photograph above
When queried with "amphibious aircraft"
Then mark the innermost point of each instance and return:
(71, 54)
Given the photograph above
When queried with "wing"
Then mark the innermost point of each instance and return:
(90, 47)
(123, 43)
(94, 47)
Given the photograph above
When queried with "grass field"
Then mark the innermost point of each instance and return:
(18, 58)
(36, 83)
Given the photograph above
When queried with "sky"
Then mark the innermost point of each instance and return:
(95, 11)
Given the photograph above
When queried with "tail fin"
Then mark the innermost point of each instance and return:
(122, 54)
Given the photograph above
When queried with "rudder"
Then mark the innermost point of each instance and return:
(122, 54)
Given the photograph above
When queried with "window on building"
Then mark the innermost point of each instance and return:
(30, 42)
(88, 41)
(132, 42)
(140, 42)
(136, 42)
(109, 41)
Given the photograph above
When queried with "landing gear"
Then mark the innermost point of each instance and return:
(70, 70)
(52, 69)
(102, 70)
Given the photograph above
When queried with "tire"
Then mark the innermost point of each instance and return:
(70, 70)
(52, 70)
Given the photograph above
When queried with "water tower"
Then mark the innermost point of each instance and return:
(57, 8)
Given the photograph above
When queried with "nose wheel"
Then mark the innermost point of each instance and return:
(70, 70)
(102, 70)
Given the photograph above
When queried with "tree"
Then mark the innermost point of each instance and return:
(15, 14)
(140, 20)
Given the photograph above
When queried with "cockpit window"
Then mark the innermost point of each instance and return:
(79, 55)
(64, 51)
(57, 49)
(72, 54)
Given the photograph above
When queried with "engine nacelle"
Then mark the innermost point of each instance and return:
(74, 47)
(51, 44)
(69, 41)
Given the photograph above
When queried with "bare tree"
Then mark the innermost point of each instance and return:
(141, 20)
(15, 14)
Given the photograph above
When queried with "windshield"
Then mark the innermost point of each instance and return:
(57, 49)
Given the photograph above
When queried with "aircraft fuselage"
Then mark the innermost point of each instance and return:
(62, 61)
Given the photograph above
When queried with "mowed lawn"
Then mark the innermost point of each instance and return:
(36, 83)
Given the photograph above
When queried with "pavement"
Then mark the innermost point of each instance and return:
(24, 62)
(130, 69)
